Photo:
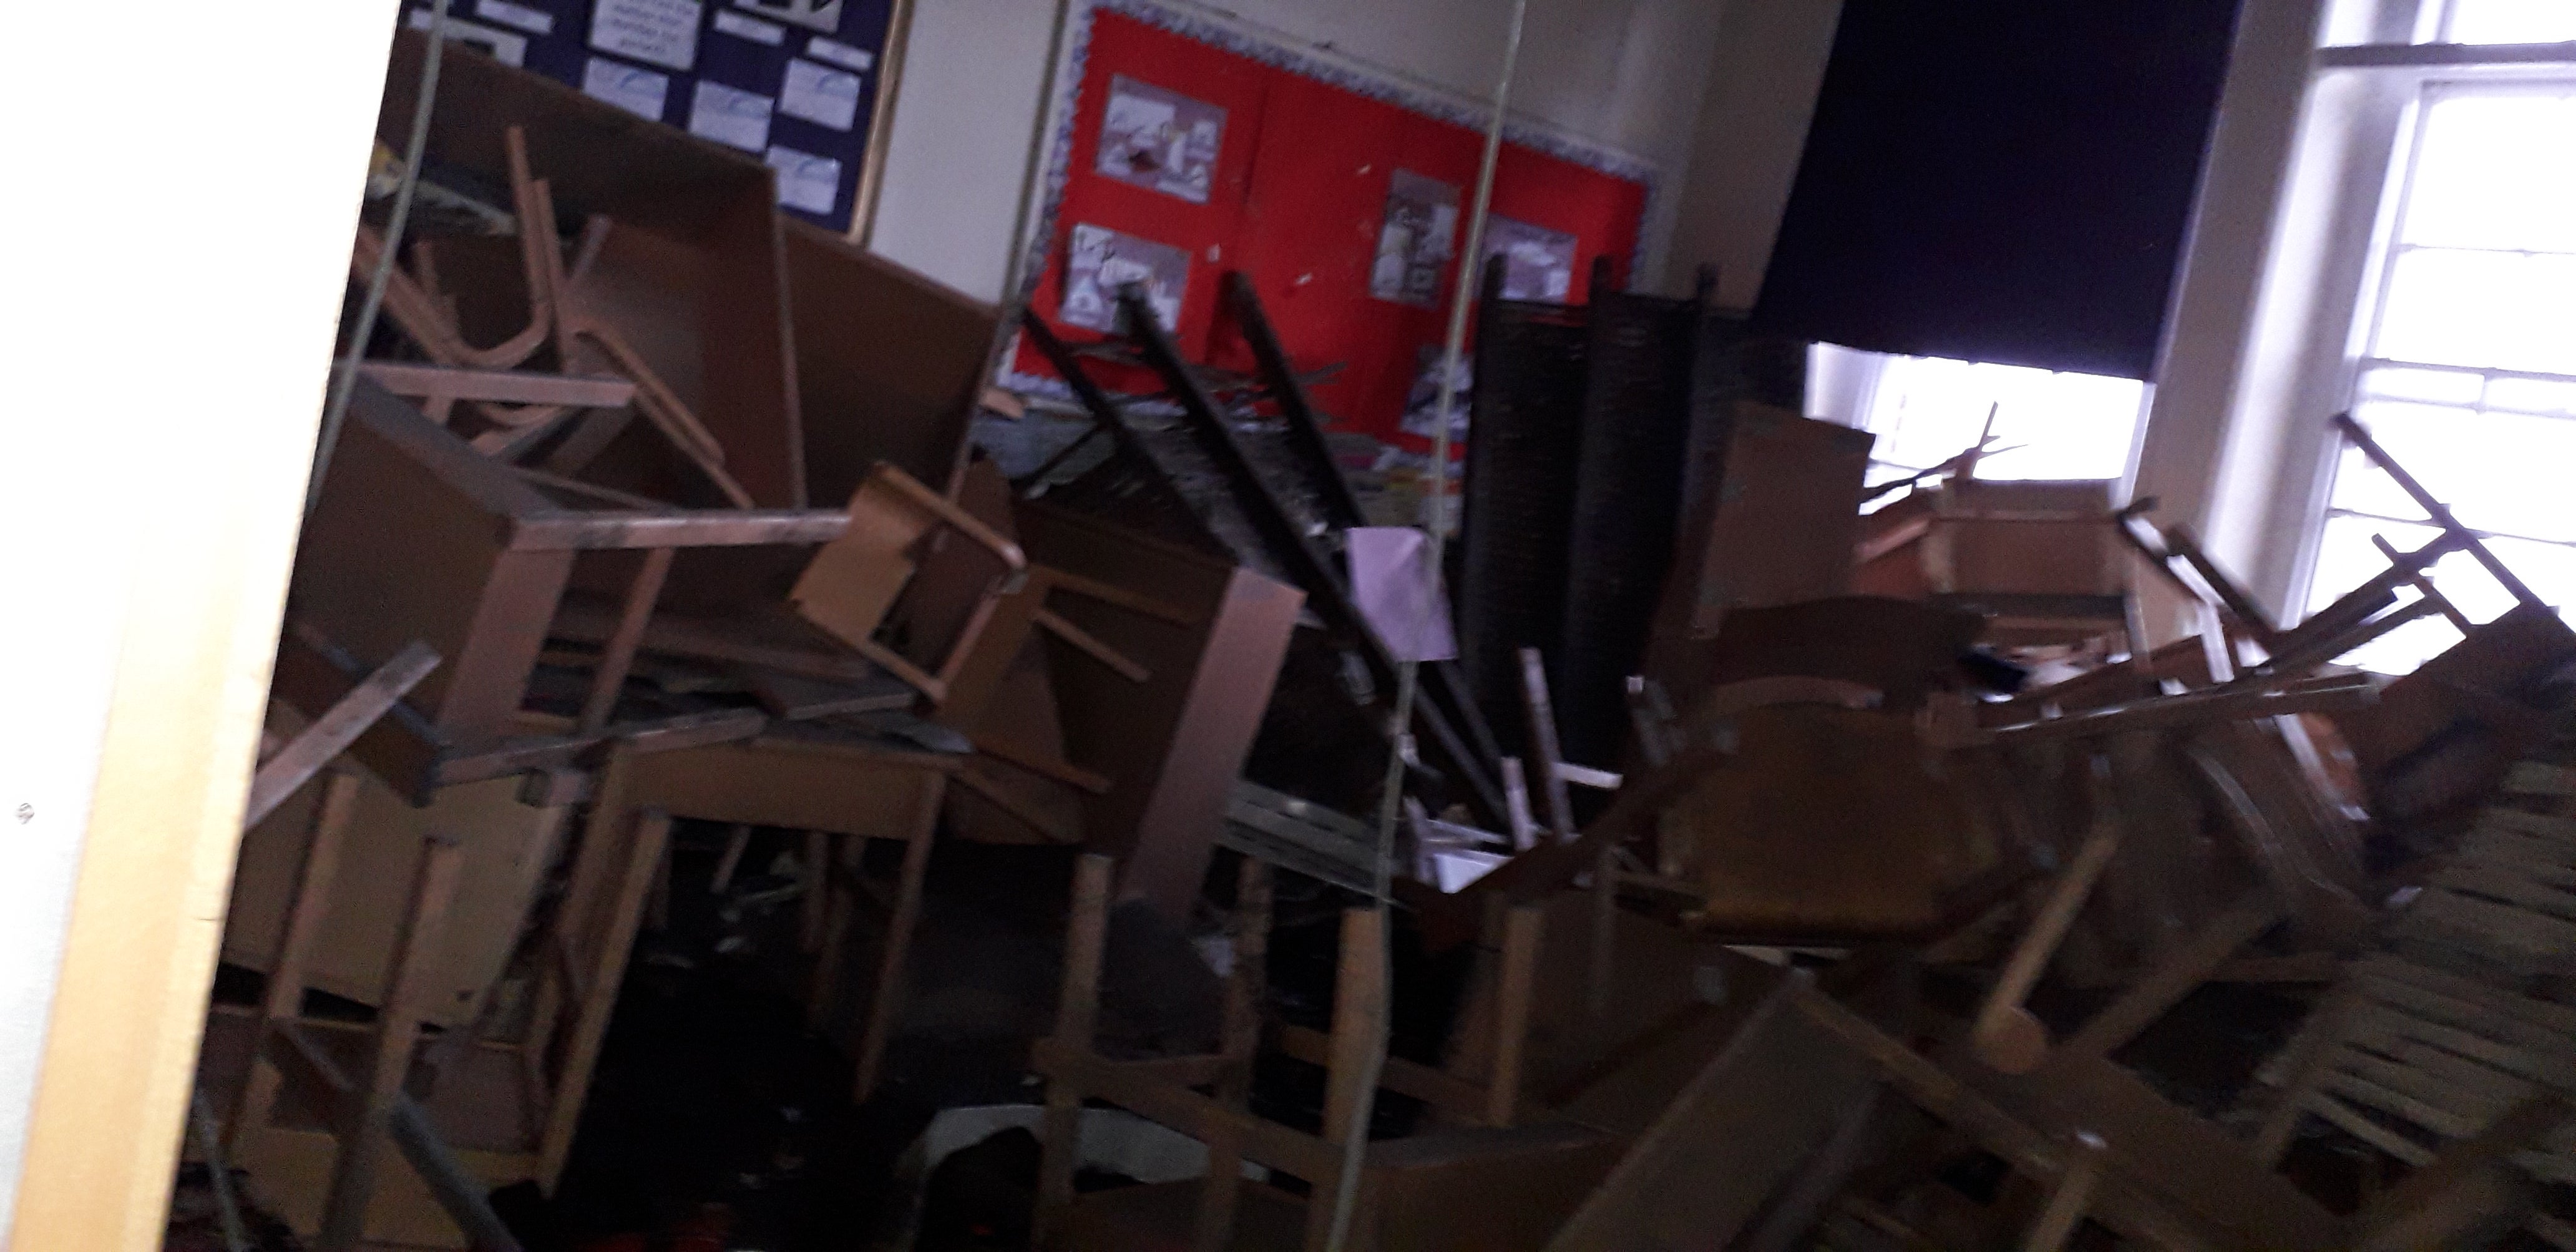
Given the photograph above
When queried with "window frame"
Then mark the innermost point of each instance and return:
(2373, 98)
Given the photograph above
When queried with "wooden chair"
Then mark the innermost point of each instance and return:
(354, 1102)
(676, 284)
(471, 1112)
(2355, 618)
(2037, 558)
(2308, 865)
(1491, 1184)
(322, 1171)
(854, 581)
(2434, 1052)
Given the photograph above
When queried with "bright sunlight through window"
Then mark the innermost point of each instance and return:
(2509, 21)
(1926, 410)
(2468, 370)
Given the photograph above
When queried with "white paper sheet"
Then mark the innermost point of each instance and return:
(1388, 564)
(664, 32)
(751, 28)
(822, 15)
(630, 87)
(806, 181)
(730, 115)
(532, 20)
(506, 47)
(820, 94)
(840, 54)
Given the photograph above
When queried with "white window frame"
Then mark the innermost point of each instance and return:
(2360, 118)
(2369, 318)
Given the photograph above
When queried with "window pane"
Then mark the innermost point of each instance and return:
(2494, 309)
(2512, 21)
(2401, 650)
(2067, 426)
(2497, 471)
(1928, 409)
(2549, 569)
(2496, 171)
(2346, 558)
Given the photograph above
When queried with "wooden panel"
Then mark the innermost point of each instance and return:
(507, 846)
(2000, 548)
(1481, 1191)
(1735, 1134)
(1824, 822)
(2188, 1163)
(1786, 518)
(1174, 744)
(796, 784)
(404, 546)
(888, 363)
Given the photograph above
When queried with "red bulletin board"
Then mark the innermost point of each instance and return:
(1298, 197)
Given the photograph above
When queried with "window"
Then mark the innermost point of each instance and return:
(2465, 360)
(1927, 410)
(2504, 21)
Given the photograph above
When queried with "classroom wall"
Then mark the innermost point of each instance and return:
(145, 544)
(1624, 74)
(1752, 126)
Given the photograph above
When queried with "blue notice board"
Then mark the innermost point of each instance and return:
(795, 82)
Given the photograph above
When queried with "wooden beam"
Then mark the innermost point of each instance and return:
(580, 391)
(1065, 1059)
(364, 1123)
(1444, 1091)
(1198, 1116)
(331, 734)
(1090, 645)
(1062, 771)
(618, 656)
(600, 531)
(2174, 977)
(2274, 695)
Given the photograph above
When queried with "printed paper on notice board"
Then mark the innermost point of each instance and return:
(664, 32)
(820, 94)
(1099, 261)
(1160, 139)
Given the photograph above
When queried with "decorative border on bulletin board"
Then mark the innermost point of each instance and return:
(1229, 37)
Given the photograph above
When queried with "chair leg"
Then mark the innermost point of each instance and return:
(737, 842)
(613, 945)
(1244, 995)
(888, 997)
(1359, 1030)
(838, 906)
(818, 887)
(366, 1124)
(1521, 934)
(1077, 1010)
(304, 917)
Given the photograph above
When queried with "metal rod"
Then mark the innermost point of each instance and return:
(1390, 800)
(344, 379)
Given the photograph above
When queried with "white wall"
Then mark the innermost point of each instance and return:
(1624, 74)
(145, 537)
(1752, 126)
